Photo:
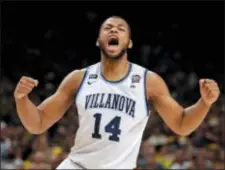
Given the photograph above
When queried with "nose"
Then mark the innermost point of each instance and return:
(113, 30)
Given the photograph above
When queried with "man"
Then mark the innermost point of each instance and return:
(112, 102)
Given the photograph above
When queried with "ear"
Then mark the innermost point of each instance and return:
(97, 43)
(130, 44)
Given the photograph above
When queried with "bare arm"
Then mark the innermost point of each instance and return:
(38, 119)
(182, 121)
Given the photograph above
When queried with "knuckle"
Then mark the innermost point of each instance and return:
(21, 81)
(19, 86)
(23, 78)
(23, 84)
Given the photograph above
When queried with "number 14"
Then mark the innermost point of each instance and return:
(112, 127)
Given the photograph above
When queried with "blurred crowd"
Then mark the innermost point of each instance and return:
(161, 148)
(203, 149)
(22, 150)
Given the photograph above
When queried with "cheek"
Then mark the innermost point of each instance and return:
(103, 41)
(103, 36)
(124, 39)
(124, 42)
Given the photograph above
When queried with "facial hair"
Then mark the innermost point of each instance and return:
(112, 57)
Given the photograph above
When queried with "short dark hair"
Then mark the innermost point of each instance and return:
(119, 17)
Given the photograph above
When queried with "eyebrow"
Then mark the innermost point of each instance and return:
(119, 25)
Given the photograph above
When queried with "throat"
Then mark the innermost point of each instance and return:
(115, 70)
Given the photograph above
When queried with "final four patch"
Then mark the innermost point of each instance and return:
(136, 78)
(93, 76)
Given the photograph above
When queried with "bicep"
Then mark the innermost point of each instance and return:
(54, 107)
(167, 107)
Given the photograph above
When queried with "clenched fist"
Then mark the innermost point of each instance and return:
(24, 87)
(209, 91)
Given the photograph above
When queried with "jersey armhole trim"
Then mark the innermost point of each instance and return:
(81, 84)
(145, 92)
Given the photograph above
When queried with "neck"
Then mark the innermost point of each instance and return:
(114, 69)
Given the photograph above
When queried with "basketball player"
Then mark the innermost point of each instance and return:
(112, 99)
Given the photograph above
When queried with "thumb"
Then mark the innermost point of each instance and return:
(201, 83)
(36, 83)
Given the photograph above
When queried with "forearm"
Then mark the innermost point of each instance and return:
(193, 116)
(29, 115)
(181, 120)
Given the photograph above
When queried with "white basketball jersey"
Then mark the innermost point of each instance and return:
(112, 118)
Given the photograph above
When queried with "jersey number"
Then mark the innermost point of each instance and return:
(112, 127)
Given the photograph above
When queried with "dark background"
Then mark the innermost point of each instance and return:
(180, 41)
(195, 29)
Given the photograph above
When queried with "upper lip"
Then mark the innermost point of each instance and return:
(113, 36)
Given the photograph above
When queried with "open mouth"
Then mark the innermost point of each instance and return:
(113, 42)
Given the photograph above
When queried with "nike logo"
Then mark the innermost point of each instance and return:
(132, 86)
(89, 82)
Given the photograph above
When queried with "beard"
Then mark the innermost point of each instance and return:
(113, 57)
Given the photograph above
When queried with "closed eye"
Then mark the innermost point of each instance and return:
(107, 28)
(121, 29)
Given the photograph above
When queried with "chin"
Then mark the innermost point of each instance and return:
(116, 55)
(113, 55)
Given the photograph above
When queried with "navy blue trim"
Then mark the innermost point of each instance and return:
(81, 84)
(145, 92)
(117, 81)
(76, 163)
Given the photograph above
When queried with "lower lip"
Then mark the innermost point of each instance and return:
(112, 48)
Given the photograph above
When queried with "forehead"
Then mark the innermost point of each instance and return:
(115, 21)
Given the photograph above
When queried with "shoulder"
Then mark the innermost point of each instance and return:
(72, 81)
(137, 67)
(75, 78)
(153, 78)
(155, 85)
(149, 75)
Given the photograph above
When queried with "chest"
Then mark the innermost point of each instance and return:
(123, 99)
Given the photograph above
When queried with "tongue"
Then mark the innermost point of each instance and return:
(112, 48)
